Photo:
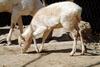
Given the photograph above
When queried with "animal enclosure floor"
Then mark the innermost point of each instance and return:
(55, 54)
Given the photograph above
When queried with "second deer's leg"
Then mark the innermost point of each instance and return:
(20, 23)
(14, 19)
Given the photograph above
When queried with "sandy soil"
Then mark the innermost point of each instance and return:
(55, 54)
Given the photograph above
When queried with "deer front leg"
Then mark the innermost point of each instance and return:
(35, 44)
(20, 23)
(14, 19)
(45, 35)
(39, 30)
(9, 36)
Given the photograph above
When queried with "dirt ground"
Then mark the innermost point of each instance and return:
(55, 53)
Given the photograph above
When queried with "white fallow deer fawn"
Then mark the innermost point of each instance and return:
(65, 14)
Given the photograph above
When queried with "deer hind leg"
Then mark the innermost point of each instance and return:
(74, 35)
(83, 47)
(65, 21)
(45, 35)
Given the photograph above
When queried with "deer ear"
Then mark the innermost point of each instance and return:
(22, 38)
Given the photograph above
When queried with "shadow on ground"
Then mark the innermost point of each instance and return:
(4, 31)
(64, 37)
(47, 52)
(34, 60)
(93, 65)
